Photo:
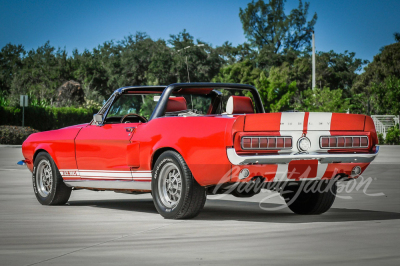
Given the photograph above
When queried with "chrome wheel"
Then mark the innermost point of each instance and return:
(170, 185)
(44, 178)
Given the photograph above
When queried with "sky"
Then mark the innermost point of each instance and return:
(360, 26)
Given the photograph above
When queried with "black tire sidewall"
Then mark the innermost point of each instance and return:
(166, 212)
(313, 203)
(49, 199)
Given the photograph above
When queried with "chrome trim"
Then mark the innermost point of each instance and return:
(266, 137)
(352, 147)
(129, 129)
(109, 184)
(236, 159)
(298, 143)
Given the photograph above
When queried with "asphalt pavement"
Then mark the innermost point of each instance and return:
(107, 228)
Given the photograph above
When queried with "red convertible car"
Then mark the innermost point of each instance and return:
(184, 141)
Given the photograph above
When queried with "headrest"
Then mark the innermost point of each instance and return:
(239, 105)
(176, 104)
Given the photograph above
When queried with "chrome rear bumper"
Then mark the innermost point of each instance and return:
(237, 159)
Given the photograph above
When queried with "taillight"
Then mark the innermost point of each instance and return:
(266, 143)
(339, 142)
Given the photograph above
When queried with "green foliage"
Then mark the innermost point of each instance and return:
(10, 63)
(46, 118)
(15, 135)
(276, 92)
(386, 98)
(323, 100)
(337, 70)
(267, 26)
(396, 36)
(135, 60)
(43, 71)
(377, 88)
(277, 60)
(243, 73)
(381, 139)
(4, 99)
(393, 135)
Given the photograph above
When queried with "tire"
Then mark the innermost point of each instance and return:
(48, 184)
(310, 200)
(176, 194)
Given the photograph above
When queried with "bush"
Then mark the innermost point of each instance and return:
(15, 134)
(381, 139)
(46, 118)
(393, 135)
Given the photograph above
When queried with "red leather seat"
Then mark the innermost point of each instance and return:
(176, 104)
(239, 105)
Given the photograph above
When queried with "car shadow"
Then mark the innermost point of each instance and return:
(222, 210)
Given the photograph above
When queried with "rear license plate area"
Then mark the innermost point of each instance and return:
(302, 169)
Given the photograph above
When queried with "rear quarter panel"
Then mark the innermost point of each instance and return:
(200, 141)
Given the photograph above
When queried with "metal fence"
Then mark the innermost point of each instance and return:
(384, 122)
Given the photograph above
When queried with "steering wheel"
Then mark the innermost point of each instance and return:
(141, 118)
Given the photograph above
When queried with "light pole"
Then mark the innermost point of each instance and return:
(187, 65)
(313, 60)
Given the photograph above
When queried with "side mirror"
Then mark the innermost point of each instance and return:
(98, 119)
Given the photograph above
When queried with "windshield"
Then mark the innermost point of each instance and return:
(179, 104)
(141, 104)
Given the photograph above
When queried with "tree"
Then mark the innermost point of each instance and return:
(240, 53)
(322, 100)
(242, 72)
(375, 88)
(11, 57)
(276, 91)
(397, 36)
(43, 71)
(203, 63)
(267, 26)
(386, 96)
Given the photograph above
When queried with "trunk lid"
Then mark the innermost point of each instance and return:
(304, 121)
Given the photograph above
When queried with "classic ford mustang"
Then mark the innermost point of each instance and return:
(184, 141)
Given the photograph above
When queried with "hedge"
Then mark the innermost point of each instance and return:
(14, 134)
(46, 118)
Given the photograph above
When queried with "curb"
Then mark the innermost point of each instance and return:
(10, 146)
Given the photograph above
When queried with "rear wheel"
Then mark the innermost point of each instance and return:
(48, 184)
(176, 194)
(315, 198)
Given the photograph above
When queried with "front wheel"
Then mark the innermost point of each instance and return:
(176, 194)
(312, 198)
(47, 182)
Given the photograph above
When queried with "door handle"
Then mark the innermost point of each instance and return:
(130, 130)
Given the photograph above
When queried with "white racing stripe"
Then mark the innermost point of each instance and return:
(108, 171)
(321, 169)
(106, 174)
(104, 177)
(100, 174)
(319, 121)
(292, 121)
(282, 173)
(292, 124)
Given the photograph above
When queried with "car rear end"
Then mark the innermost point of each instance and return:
(301, 146)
